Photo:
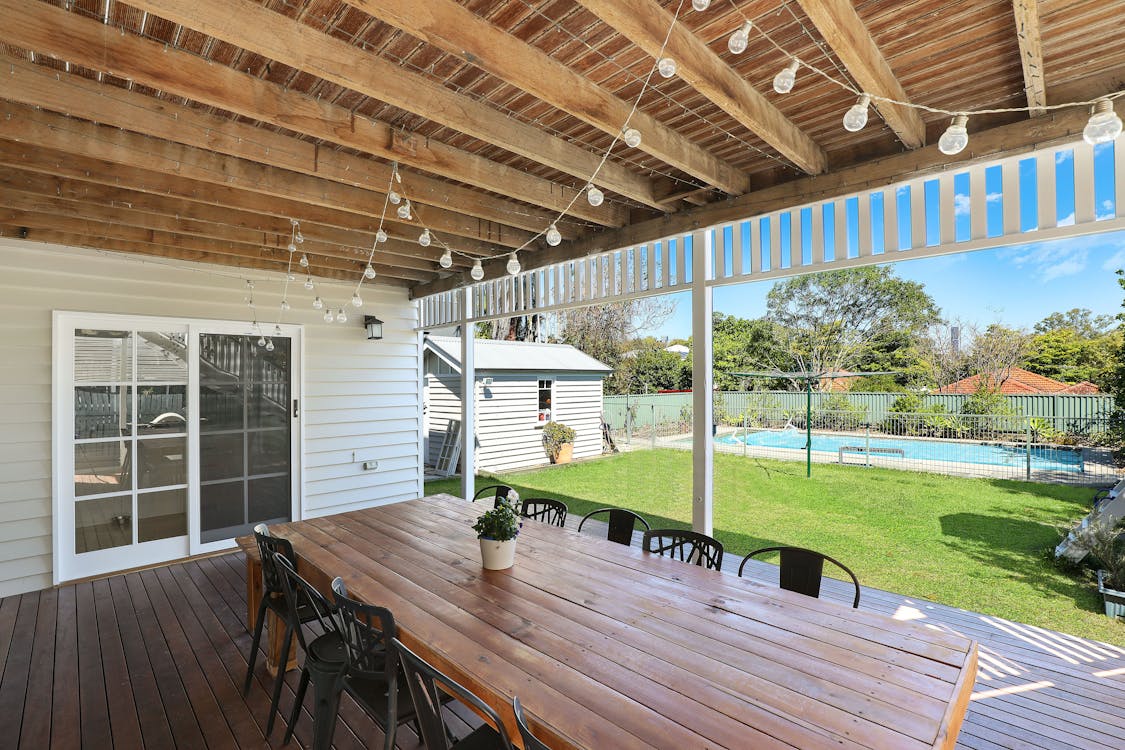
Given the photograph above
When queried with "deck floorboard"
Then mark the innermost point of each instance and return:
(156, 659)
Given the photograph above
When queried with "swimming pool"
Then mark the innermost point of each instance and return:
(1043, 458)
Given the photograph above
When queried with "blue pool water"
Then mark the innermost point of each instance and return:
(1043, 458)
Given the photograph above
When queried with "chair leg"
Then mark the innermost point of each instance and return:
(259, 626)
(298, 699)
(280, 679)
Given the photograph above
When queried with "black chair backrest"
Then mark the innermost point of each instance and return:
(622, 523)
(299, 592)
(422, 681)
(367, 631)
(545, 509)
(688, 546)
(497, 492)
(530, 741)
(268, 546)
(802, 570)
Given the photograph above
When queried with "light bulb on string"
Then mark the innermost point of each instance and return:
(632, 137)
(290, 277)
(1104, 125)
(595, 196)
(284, 305)
(341, 316)
(478, 271)
(856, 117)
(328, 316)
(369, 272)
(269, 345)
(277, 330)
(394, 198)
(304, 261)
(700, 5)
(666, 66)
(740, 39)
(446, 259)
(425, 239)
(404, 210)
(380, 237)
(292, 247)
(955, 138)
(309, 282)
(783, 82)
(554, 236)
(513, 264)
(261, 341)
(318, 304)
(299, 237)
(357, 301)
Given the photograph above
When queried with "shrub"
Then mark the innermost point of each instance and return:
(838, 412)
(555, 435)
(1106, 543)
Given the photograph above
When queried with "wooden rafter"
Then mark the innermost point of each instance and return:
(302, 47)
(1031, 53)
(456, 29)
(845, 32)
(646, 24)
(1019, 137)
(68, 36)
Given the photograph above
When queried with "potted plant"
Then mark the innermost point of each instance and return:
(497, 530)
(1105, 541)
(558, 439)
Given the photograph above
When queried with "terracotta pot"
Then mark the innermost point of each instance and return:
(565, 454)
(497, 555)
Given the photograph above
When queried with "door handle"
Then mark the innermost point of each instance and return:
(296, 408)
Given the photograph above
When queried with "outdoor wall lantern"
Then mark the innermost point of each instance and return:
(374, 327)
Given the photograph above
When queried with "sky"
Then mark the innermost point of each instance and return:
(1018, 285)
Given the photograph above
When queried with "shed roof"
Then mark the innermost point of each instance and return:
(496, 356)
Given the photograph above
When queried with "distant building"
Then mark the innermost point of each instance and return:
(1022, 382)
(680, 349)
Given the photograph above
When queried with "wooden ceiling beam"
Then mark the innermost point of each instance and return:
(1053, 128)
(276, 242)
(646, 23)
(459, 31)
(79, 167)
(1031, 53)
(84, 41)
(19, 122)
(843, 29)
(305, 48)
(108, 244)
(74, 95)
(47, 187)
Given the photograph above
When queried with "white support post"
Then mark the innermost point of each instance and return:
(703, 447)
(468, 400)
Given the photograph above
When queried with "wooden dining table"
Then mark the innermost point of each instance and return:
(611, 647)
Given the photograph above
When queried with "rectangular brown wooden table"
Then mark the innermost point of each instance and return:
(610, 647)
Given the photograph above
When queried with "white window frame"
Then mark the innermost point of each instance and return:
(554, 402)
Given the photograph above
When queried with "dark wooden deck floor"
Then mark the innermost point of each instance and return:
(155, 659)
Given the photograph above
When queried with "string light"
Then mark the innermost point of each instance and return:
(292, 246)
(666, 66)
(740, 39)
(369, 272)
(328, 316)
(783, 82)
(394, 198)
(357, 301)
(269, 345)
(309, 282)
(341, 316)
(284, 305)
(554, 236)
(446, 260)
(304, 261)
(595, 196)
(404, 210)
(261, 341)
(955, 138)
(318, 304)
(478, 271)
(1104, 124)
(380, 237)
(856, 118)
(424, 239)
(513, 264)
(700, 5)
(277, 330)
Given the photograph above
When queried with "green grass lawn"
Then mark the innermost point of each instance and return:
(979, 544)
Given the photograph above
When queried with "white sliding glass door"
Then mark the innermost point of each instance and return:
(171, 438)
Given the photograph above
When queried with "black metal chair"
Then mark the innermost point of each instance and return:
(497, 492)
(802, 570)
(372, 677)
(423, 681)
(325, 658)
(530, 741)
(622, 523)
(688, 546)
(545, 509)
(273, 600)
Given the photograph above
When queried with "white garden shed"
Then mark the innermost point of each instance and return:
(519, 388)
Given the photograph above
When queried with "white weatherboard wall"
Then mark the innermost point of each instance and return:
(358, 395)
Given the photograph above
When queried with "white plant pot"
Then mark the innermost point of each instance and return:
(497, 555)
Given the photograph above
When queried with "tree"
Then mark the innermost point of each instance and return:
(1116, 378)
(603, 331)
(739, 345)
(994, 352)
(1082, 321)
(842, 319)
(651, 369)
(1064, 354)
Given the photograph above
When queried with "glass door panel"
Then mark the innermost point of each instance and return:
(245, 434)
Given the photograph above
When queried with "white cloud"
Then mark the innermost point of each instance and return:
(994, 197)
(1105, 210)
(1063, 156)
(1065, 221)
(960, 205)
(1050, 260)
(1115, 261)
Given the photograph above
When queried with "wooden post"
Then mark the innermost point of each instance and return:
(703, 444)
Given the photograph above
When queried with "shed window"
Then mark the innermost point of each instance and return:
(546, 400)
